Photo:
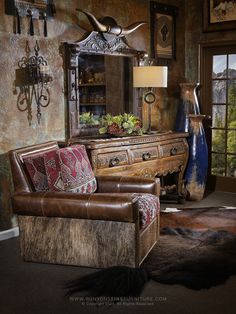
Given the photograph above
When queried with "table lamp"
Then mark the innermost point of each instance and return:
(149, 77)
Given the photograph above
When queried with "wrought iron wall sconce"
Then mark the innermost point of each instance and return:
(33, 9)
(33, 79)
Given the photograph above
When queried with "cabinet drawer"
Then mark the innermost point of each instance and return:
(112, 159)
(173, 149)
(144, 154)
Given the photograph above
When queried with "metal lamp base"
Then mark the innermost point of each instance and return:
(149, 98)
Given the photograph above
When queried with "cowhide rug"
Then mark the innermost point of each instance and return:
(184, 256)
(221, 218)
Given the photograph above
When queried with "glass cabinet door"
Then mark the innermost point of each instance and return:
(92, 84)
(104, 84)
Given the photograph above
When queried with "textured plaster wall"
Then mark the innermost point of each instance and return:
(168, 99)
(14, 127)
(67, 25)
(194, 36)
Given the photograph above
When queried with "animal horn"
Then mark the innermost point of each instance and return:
(94, 22)
(115, 30)
(131, 28)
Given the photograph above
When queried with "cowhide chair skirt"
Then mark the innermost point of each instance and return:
(110, 227)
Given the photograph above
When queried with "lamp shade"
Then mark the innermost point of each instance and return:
(150, 76)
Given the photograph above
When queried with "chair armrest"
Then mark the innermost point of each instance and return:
(117, 184)
(116, 207)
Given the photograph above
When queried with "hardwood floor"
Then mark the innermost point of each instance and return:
(211, 199)
(204, 214)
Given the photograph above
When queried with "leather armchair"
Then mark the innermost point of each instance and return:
(95, 230)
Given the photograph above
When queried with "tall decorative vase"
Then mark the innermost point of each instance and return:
(188, 105)
(196, 170)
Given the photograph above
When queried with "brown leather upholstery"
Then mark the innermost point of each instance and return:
(119, 184)
(72, 205)
(107, 203)
(91, 221)
(20, 178)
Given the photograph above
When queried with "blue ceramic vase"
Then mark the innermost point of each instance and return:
(188, 105)
(196, 170)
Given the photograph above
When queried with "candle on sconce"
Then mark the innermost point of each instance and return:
(44, 70)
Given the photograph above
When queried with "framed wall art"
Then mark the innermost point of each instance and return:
(163, 30)
(219, 15)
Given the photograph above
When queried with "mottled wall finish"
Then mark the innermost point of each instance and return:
(15, 131)
(194, 35)
(168, 99)
(14, 127)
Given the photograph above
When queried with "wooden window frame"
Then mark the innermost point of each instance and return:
(205, 51)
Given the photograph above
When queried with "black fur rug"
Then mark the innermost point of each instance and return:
(194, 259)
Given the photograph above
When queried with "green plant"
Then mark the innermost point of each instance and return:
(123, 124)
(88, 118)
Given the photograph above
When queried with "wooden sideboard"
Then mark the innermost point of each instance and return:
(163, 155)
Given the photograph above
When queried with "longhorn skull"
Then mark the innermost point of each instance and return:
(108, 25)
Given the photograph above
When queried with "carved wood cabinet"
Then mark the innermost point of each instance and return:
(98, 79)
(163, 155)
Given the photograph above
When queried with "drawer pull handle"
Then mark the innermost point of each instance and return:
(146, 156)
(114, 162)
(173, 151)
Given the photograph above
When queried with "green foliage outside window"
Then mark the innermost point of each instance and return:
(219, 136)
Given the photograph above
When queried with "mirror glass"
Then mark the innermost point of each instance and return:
(105, 84)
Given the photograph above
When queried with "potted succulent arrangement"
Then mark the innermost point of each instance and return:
(88, 123)
(120, 125)
(87, 118)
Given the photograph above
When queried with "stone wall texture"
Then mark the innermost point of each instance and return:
(68, 25)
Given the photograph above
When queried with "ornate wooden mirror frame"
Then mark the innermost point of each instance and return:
(93, 43)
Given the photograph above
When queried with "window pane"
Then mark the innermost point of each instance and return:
(218, 141)
(232, 66)
(219, 92)
(218, 164)
(232, 92)
(219, 66)
(231, 166)
(218, 113)
(232, 117)
(231, 142)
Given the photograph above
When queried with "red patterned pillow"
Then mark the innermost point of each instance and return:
(76, 171)
(37, 172)
(53, 171)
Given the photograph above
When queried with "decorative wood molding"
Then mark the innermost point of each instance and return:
(96, 43)
(168, 155)
(92, 43)
(112, 160)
